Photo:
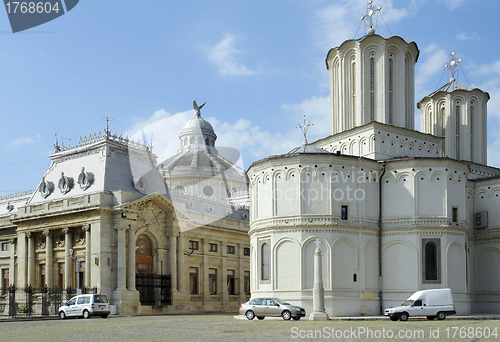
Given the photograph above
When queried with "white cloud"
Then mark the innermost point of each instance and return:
(464, 36)
(316, 110)
(24, 140)
(223, 55)
(430, 68)
(452, 4)
(486, 69)
(494, 146)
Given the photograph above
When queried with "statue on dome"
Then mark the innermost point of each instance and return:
(197, 108)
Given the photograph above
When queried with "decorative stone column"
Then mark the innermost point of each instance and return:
(21, 258)
(49, 258)
(67, 258)
(122, 257)
(181, 268)
(12, 264)
(31, 258)
(172, 251)
(131, 259)
(88, 255)
(318, 313)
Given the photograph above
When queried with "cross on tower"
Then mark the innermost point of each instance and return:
(304, 128)
(369, 16)
(107, 119)
(452, 65)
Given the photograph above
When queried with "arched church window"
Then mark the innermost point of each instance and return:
(430, 261)
(265, 261)
(457, 131)
(471, 130)
(372, 89)
(206, 141)
(391, 89)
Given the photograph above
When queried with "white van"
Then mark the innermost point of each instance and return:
(85, 306)
(431, 303)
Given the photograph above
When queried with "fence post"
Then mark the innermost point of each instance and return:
(29, 300)
(12, 301)
(45, 302)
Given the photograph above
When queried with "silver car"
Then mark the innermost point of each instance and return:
(85, 306)
(262, 307)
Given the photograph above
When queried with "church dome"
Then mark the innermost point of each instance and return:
(197, 125)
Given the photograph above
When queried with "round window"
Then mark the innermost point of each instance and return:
(208, 191)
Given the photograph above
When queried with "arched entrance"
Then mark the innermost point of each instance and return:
(143, 255)
(154, 289)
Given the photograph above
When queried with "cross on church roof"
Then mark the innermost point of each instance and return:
(368, 18)
(304, 128)
(452, 65)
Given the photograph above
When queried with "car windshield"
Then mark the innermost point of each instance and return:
(281, 301)
(100, 299)
(408, 303)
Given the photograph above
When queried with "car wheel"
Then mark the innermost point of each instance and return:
(394, 318)
(403, 316)
(86, 314)
(104, 316)
(286, 315)
(260, 317)
(296, 318)
(250, 315)
(430, 318)
(441, 315)
(62, 315)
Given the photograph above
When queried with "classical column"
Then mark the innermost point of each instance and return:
(131, 260)
(12, 264)
(241, 273)
(88, 255)
(181, 268)
(21, 259)
(49, 259)
(122, 257)
(172, 251)
(31, 258)
(318, 313)
(223, 276)
(67, 258)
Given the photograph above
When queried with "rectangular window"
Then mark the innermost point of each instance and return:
(454, 214)
(42, 275)
(61, 274)
(5, 281)
(246, 251)
(193, 245)
(246, 284)
(193, 280)
(212, 281)
(230, 249)
(5, 246)
(212, 247)
(232, 283)
(344, 212)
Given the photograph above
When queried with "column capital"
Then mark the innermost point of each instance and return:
(65, 230)
(45, 232)
(29, 235)
(86, 227)
(121, 226)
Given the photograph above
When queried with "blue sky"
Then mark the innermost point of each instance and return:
(258, 64)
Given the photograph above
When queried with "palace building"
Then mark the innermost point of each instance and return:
(105, 216)
(395, 210)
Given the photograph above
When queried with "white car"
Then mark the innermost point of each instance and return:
(85, 306)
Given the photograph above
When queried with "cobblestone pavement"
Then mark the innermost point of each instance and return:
(225, 327)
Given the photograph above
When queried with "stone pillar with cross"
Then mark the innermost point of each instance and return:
(319, 313)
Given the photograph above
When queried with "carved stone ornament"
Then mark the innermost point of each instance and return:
(45, 188)
(10, 207)
(85, 179)
(65, 184)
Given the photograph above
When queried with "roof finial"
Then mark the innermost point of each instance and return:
(368, 18)
(57, 148)
(452, 65)
(304, 128)
(197, 109)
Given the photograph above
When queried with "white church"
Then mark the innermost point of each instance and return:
(395, 210)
